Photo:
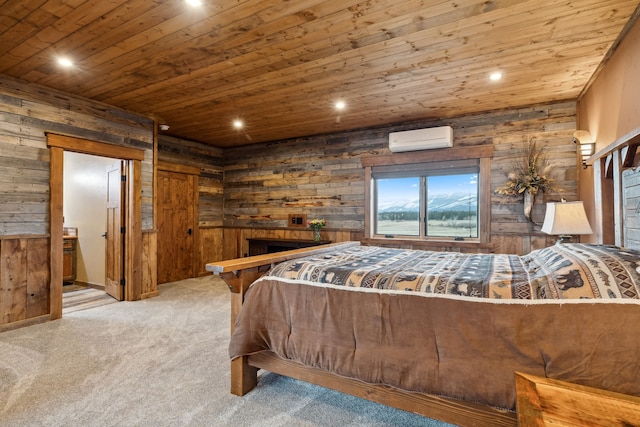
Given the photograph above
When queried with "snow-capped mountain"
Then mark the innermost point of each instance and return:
(437, 202)
(453, 202)
(409, 206)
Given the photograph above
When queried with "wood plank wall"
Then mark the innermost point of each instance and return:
(27, 111)
(322, 177)
(24, 279)
(210, 193)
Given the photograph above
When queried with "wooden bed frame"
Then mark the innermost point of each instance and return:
(240, 273)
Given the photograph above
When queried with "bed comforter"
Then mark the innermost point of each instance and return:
(447, 343)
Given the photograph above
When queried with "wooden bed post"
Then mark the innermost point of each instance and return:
(243, 377)
(238, 282)
(239, 274)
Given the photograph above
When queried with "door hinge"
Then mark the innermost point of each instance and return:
(123, 230)
(122, 282)
(123, 178)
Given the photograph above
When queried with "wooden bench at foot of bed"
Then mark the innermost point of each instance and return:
(549, 402)
(240, 273)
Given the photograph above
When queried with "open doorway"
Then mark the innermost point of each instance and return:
(130, 270)
(86, 194)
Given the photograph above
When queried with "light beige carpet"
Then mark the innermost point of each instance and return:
(158, 362)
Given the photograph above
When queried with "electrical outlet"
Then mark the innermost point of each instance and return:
(297, 220)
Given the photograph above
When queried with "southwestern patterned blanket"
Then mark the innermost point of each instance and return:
(567, 271)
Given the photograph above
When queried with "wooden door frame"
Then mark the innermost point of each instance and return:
(58, 144)
(194, 171)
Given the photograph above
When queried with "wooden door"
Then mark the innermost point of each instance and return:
(176, 225)
(114, 264)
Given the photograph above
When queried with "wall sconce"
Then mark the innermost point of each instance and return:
(587, 145)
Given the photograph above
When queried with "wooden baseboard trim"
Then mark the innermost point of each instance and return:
(26, 322)
(150, 295)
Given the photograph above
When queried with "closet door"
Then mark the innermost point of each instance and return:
(177, 223)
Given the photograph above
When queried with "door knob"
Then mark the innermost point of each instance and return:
(104, 235)
(189, 232)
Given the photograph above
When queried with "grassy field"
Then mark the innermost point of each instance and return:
(436, 228)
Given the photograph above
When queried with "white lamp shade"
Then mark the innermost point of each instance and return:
(567, 218)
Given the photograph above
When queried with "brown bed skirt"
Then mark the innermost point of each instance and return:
(458, 348)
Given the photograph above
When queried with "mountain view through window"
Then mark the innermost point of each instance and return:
(450, 205)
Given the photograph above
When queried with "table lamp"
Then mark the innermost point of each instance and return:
(565, 219)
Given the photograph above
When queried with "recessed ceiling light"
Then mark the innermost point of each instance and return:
(194, 2)
(495, 76)
(65, 62)
(340, 105)
(238, 124)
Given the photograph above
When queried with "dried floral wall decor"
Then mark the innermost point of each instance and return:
(529, 177)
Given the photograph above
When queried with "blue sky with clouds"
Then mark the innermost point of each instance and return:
(406, 189)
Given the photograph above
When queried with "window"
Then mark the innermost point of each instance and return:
(397, 207)
(433, 195)
(432, 202)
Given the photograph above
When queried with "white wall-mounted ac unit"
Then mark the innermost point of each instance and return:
(421, 139)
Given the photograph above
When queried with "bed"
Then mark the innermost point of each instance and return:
(437, 333)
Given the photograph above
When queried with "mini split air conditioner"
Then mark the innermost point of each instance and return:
(421, 139)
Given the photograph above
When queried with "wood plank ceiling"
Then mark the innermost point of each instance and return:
(280, 65)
